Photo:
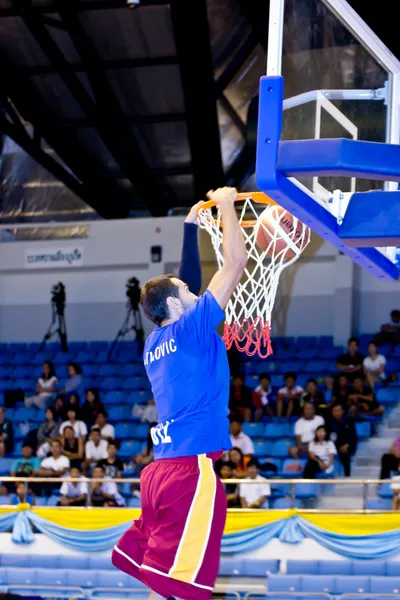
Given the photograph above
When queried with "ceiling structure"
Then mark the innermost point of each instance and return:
(133, 107)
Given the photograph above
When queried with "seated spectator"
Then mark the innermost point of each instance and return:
(45, 387)
(374, 366)
(241, 440)
(328, 386)
(73, 401)
(240, 401)
(75, 380)
(27, 465)
(146, 413)
(74, 493)
(104, 493)
(391, 460)
(22, 495)
(239, 462)
(363, 400)
(107, 431)
(341, 391)
(72, 447)
(50, 429)
(59, 409)
(321, 454)
(55, 465)
(253, 495)
(314, 396)
(225, 471)
(6, 434)
(304, 430)
(390, 332)
(262, 398)
(112, 465)
(96, 449)
(91, 407)
(288, 398)
(351, 363)
(342, 432)
(77, 425)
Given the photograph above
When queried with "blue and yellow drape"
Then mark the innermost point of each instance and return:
(363, 536)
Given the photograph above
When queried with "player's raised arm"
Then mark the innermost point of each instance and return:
(233, 248)
(190, 267)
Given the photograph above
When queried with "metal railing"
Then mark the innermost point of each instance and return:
(294, 483)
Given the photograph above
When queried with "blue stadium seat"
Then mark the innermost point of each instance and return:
(134, 502)
(302, 567)
(123, 431)
(278, 430)
(284, 583)
(132, 370)
(140, 397)
(117, 398)
(297, 366)
(63, 358)
(335, 567)
(325, 341)
(331, 353)
(307, 490)
(385, 491)
(363, 429)
(15, 560)
(285, 503)
(385, 585)
(5, 465)
(24, 384)
(307, 353)
(264, 467)
(231, 566)
(3, 579)
(254, 429)
(130, 447)
(98, 357)
(83, 357)
(136, 383)
(86, 578)
(40, 501)
(24, 414)
(74, 562)
(22, 576)
(259, 567)
(113, 579)
(307, 341)
(52, 577)
(41, 357)
(98, 346)
(109, 370)
(379, 504)
(101, 563)
(317, 583)
(111, 383)
(45, 561)
(393, 365)
(251, 381)
(91, 370)
(387, 395)
(287, 464)
(316, 366)
(21, 372)
(392, 568)
(140, 431)
(369, 567)
(351, 584)
(119, 412)
(280, 449)
(279, 489)
(53, 500)
(277, 381)
(17, 452)
(262, 448)
(271, 366)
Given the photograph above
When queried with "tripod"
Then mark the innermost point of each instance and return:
(57, 326)
(126, 327)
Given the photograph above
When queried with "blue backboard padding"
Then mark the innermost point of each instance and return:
(295, 200)
(372, 219)
(339, 157)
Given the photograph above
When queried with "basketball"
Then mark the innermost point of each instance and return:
(272, 221)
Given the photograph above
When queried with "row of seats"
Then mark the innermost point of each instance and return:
(104, 384)
(384, 568)
(334, 584)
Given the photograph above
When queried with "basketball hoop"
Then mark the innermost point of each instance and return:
(274, 240)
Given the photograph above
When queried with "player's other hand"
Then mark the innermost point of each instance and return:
(192, 216)
(225, 195)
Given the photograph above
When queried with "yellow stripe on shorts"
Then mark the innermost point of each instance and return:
(193, 544)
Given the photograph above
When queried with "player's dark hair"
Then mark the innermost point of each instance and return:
(153, 297)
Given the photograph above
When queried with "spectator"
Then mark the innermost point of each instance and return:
(390, 332)
(342, 432)
(374, 366)
(96, 449)
(59, 409)
(78, 426)
(147, 413)
(363, 401)
(144, 458)
(351, 363)
(328, 386)
(73, 447)
(6, 434)
(104, 493)
(241, 440)
(107, 430)
(321, 454)
(22, 495)
(91, 407)
(239, 462)
(304, 430)
(27, 465)
(289, 396)
(55, 465)
(240, 400)
(391, 460)
(341, 392)
(112, 465)
(74, 493)
(225, 471)
(254, 495)
(73, 401)
(262, 398)
(50, 429)
(45, 387)
(75, 379)
(314, 396)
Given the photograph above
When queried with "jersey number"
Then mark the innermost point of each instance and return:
(160, 433)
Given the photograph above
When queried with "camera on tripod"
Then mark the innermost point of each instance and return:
(58, 297)
(133, 292)
(133, 319)
(57, 325)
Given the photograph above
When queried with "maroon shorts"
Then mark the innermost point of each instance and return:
(174, 547)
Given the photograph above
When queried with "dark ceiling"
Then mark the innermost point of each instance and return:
(132, 108)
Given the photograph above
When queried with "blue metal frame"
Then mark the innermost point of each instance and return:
(275, 183)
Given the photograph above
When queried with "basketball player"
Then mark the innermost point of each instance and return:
(174, 546)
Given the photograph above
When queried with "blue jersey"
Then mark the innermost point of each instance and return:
(188, 369)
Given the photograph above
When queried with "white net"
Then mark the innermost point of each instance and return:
(274, 240)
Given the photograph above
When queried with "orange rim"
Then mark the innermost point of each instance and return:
(258, 197)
